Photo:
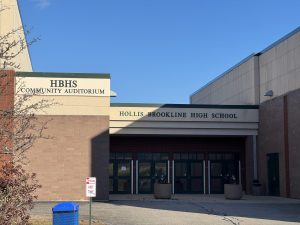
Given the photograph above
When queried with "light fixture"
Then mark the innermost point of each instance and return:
(269, 93)
(113, 94)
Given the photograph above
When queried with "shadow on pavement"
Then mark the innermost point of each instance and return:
(289, 212)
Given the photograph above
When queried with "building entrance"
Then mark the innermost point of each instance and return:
(120, 173)
(152, 167)
(190, 164)
(273, 174)
(188, 173)
(224, 168)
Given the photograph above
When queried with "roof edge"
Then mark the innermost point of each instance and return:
(184, 105)
(224, 73)
(290, 34)
(63, 75)
(26, 39)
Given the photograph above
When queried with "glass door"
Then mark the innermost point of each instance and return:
(150, 172)
(152, 167)
(188, 176)
(216, 177)
(145, 177)
(120, 173)
(273, 174)
(224, 168)
(196, 177)
(181, 177)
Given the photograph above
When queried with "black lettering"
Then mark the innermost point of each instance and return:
(53, 83)
(61, 83)
(68, 83)
(74, 83)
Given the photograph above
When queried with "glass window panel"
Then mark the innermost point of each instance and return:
(124, 169)
(232, 171)
(184, 156)
(119, 155)
(212, 156)
(180, 185)
(144, 169)
(111, 185)
(193, 156)
(145, 185)
(148, 156)
(111, 169)
(112, 155)
(236, 156)
(219, 156)
(229, 156)
(141, 156)
(161, 170)
(216, 169)
(196, 185)
(217, 185)
(123, 185)
(196, 169)
(127, 155)
(156, 156)
(164, 156)
(180, 169)
(200, 156)
(177, 156)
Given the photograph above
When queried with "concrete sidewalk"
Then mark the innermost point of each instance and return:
(188, 210)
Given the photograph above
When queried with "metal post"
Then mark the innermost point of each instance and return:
(90, 209)
(204, 191)
(168, 171)
(255, 176)
(131, 174)
(137, 176)
(208, 170)
(240, 176)
(173, 177)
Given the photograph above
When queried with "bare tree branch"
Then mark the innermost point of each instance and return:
(20, 128)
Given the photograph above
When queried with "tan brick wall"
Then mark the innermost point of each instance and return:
(294, 142)
(271, 140)
(63, 162)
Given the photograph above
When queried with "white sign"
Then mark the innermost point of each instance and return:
(90, 188)
(183, 114)
(63, 86)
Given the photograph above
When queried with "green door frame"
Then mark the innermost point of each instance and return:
(273, 174)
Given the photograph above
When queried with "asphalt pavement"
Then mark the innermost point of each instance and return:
(187, 210)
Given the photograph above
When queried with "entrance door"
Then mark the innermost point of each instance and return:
(120, 176)
(273, 174)
(188, 176)
(220, 170)
(150, 172)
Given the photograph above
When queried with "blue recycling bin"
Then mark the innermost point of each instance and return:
(66, 213)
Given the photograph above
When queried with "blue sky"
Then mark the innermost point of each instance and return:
(157, 51)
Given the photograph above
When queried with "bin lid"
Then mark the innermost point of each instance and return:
(66, 207)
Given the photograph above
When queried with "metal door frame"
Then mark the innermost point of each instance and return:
(189, 177)
(152, 173)
(115, 176)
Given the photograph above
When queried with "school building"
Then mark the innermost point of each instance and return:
(244, 124)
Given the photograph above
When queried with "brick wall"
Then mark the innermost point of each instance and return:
(79, 148)
(6, 103)
(278, 136)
